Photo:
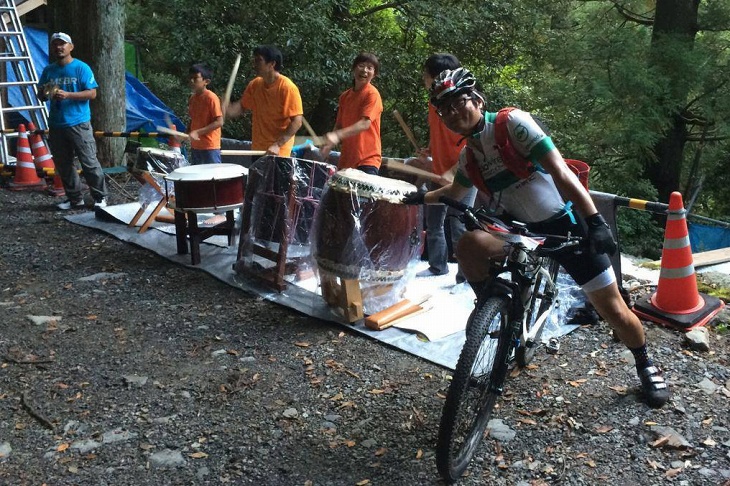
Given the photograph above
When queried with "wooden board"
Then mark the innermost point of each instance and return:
(702, 259)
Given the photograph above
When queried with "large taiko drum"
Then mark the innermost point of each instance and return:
(363, 230)
(208, 187)
(150, 159)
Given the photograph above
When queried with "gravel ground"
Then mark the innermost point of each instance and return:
(155, 374)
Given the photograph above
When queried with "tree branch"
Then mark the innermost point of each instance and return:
(380, 7)
(633, 16)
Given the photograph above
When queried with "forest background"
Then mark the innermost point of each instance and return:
(639, 89)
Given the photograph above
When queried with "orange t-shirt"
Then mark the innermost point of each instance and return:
(272, 108)
(443, 143)
(363, 148)
(203, 109)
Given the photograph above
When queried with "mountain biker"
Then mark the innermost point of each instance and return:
(535, 194)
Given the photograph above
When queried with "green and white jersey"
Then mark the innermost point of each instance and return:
(530, 200)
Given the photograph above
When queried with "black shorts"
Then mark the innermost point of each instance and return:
(583, 265)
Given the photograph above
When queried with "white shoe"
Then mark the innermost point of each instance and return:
(68, 204)
(101, 203)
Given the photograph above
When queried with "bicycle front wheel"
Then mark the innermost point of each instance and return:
(475, 387)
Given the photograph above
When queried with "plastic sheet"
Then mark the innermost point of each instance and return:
(362, 231)
(282, 194)
(156, 163)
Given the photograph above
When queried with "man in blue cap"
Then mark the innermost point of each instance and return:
(69, 85)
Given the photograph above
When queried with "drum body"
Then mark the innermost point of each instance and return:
(363, 230)
(208, 187)
(156, 160)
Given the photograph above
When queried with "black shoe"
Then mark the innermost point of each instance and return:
(654, 387)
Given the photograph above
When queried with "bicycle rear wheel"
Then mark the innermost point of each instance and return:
(475, 387)
(543, 296)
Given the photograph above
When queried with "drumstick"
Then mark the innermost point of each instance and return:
(229, 87)
(401, 167)
(243, 152)
(406, 130)
(316, 139)
(170, 131)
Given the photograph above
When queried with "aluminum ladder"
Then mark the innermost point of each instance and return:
(15, 55)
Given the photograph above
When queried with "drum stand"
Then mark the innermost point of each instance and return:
(144, 177)
(186, 225)
(347, 294)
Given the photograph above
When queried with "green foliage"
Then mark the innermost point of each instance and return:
(608, 88)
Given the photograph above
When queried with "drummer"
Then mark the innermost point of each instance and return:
(274, 101)
(357, 125)
(206, 118)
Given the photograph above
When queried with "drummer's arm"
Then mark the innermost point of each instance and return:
(295, 123)
(453, 191)
(233, 110)
(198, 132)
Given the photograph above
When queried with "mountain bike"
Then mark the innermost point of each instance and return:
(505, 328)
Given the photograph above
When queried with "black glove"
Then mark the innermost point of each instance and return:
(599, 235)
(414, 198)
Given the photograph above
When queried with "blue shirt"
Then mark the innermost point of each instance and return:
(73, 77)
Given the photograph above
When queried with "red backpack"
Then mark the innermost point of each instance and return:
(513, 160)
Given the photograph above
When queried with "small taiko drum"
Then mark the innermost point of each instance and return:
(363, 230)
(208, 187)
(150, 159)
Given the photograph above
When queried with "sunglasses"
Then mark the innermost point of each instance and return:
(453, 108)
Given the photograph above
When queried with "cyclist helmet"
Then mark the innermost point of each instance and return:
(450, 84)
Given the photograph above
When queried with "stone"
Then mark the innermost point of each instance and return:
(167, 458)
(698, 339)
(498, 430)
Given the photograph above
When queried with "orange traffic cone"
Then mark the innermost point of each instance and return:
(57, 188)
(25, 173)
(676, 302)
(173, 142)
(41, 157)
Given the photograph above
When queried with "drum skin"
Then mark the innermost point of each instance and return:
(365, 234)
(208, 186)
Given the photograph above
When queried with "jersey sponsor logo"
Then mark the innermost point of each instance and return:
(521, 133)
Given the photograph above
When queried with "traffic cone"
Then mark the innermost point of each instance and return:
(57, 188)
(25, 173)
(41, 157)
(676, 302)
(173, 142)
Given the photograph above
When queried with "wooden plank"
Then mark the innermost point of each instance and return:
(701, 259)
(711, 257)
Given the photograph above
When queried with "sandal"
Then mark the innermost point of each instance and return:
(654, 386)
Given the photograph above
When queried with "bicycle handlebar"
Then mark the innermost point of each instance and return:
(477, 218)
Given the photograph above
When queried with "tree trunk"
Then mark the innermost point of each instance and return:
(674, 21)
(97, 28)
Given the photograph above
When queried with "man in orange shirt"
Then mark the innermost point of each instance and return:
(206, 118)
(274, 101)
(440, 158)
(358, 120)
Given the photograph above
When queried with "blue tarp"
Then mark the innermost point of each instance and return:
(705, 238)
(144, 110)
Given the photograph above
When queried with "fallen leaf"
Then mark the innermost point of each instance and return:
(341, 334)
(650, 423)
(661, 441)
(350, 443)
(381, 451)
(377, 391)
(590, 464)
(441, 395)
(338, 396)
(363, 482)
(419, 454)
(198, 455)
(63, 447)
(91, 317)
(672, 472)
(232, 352)
(707, 421)
(709, 442)
(604, 429)
(527, 421)
(621, 390)
(302, 344)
